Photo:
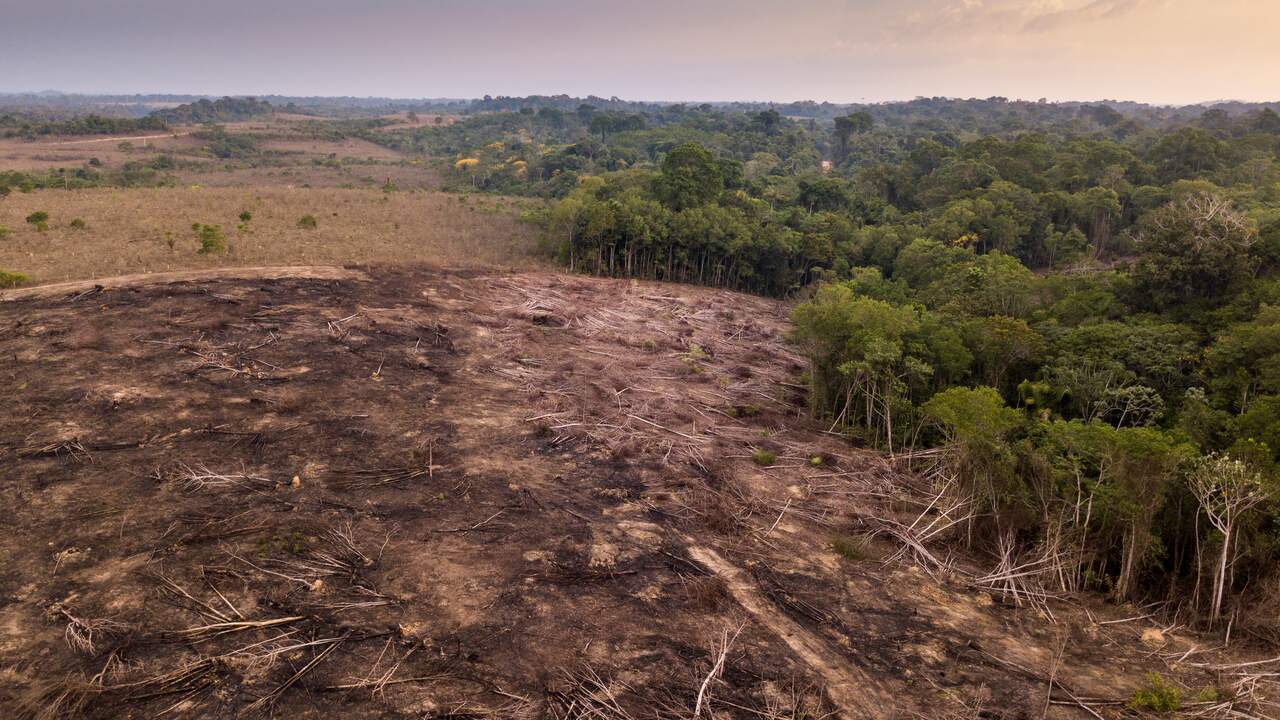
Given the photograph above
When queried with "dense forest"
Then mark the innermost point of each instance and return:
(1069, 313)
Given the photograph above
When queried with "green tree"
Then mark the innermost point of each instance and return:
(1194, 250)
(690, 177)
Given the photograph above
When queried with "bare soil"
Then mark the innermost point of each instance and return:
(419, 493)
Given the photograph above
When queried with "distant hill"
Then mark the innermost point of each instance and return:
(227, 109)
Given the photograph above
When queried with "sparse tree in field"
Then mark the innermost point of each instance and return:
(39, 220)
(1227, 490)
(4, 191)
(212, 241)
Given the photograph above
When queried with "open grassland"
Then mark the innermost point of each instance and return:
(150, 230)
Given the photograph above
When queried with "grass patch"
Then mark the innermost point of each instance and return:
(857, 548)
(12, 279)
(307, 222)
(1157, 695)
(764, 458)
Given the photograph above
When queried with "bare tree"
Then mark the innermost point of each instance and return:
(1227, 490)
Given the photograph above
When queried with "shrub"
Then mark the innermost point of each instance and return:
(4, 232)
(12, 279)
(246, 216)
(78, 224)
(307, 222)
(764, 458)
(1157, 695)
(210, 237)
(39, 220)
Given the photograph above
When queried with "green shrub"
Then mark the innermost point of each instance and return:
(39, 220)
(211, 238)
(307, 222)
(246, 216)
(78, 224)
(4, 232)
(1158, 695)
(764, 458)
(12, 279)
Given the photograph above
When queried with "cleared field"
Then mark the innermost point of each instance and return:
(413, 493)
(149, 230)
(74, 151)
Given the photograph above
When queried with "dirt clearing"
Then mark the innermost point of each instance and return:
(438, 494)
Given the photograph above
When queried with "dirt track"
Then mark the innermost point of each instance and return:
(425, 494)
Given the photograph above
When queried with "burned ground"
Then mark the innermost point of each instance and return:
(414, 493)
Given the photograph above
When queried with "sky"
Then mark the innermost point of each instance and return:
(1158, 51)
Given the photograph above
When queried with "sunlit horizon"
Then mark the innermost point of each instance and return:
(1163, 52)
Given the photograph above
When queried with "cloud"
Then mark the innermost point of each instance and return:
(1093, 11)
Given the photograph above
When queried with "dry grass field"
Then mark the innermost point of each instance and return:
(149, 230)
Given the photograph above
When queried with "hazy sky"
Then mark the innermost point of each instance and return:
(1168, 51)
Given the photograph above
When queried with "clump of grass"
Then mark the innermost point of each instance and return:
(211, 239)
(764, 458)
(4, 232)
(853, 547)
(1157, 695)
(12, 279)
(78, 224)
(307, 222)
(39, 220)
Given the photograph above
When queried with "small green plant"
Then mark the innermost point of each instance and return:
(1157, 695)
(12, 279)
(78, 224)
(816, 461)
(211, 238)
(4, 232)
(764, 458)
(293, 544)
(307, 222)
(39, 220)
(246, 216)
(1208, 694)
(170, 240)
